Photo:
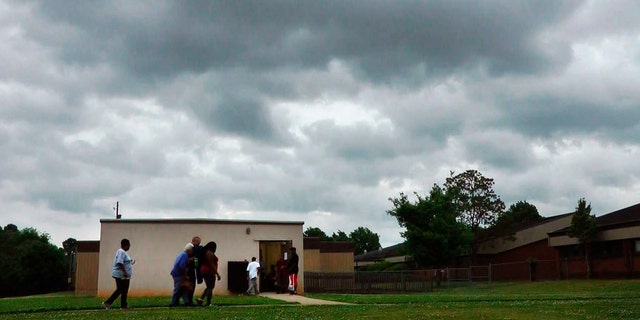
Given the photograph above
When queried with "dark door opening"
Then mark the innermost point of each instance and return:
(237, 276)
(270, 253)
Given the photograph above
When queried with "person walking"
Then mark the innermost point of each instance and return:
(292, 269)
(253, 270)
(181, 282)
(209, 270)
(195, 259)
(121, 272)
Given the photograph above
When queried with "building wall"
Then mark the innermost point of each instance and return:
(539, 250)
(336, 262)
(86, 280)
(619, 260)
(155, 244)
(525, 237)
(312, 260)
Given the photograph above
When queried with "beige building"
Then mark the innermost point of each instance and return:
(155, 244)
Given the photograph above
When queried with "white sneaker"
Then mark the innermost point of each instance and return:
(106, 305)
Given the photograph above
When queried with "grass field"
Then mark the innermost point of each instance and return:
(541, 300)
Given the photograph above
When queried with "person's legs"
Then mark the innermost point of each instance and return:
(206, 293)
(184, 292)
(124, 291)
(211, 287)
(250, 287)
(107, 304)
(295, 283)
(190, 293)
(253, 286)
(176, 292)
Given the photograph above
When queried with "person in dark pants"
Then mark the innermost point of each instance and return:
(292, 269)
(181, 282)
(209, 269)
(121, 272)
(195, 259)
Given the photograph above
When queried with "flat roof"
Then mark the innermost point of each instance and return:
(201, 221)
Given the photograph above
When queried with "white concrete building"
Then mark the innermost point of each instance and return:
(155, 244)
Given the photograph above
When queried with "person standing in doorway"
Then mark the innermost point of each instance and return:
(253, 270)
(292, 269)
(282, 276)
(121, 272)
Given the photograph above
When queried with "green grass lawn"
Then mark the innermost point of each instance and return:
(541, 300)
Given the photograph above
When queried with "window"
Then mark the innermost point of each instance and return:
(572, 251)
(609, 249)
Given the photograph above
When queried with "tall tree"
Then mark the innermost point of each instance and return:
(365, 240)
(476, 202)
(433, 235)
(584, 226)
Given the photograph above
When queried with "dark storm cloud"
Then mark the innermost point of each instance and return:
(239, 115)
(549, 116)
(382, 38)
(149, 44)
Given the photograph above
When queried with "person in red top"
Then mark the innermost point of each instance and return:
(282, 277)
(209, 271)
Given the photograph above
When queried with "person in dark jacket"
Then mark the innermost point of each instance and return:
(292, 269)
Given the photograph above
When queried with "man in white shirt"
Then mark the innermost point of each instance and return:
(253, 270)
(121, 272)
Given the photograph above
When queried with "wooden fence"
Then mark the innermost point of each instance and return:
(370, 281)
(427, 280)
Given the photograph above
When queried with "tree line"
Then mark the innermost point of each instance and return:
(364, 239)
(30, 264)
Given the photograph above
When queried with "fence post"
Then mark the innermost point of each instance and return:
(469, 274)
(448, 284)
(489, 273)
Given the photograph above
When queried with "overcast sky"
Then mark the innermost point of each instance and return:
(314, 111)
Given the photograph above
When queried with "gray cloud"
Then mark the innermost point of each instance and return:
(313, 111)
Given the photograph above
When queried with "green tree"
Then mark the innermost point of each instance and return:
(70, 246)
(365, 240)
(340, 236)
(477, 203)
(584, 226)
(30, 264)
(519, 214)
(434, 235)
(316, 232)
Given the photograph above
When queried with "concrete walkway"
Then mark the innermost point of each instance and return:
(296, 298)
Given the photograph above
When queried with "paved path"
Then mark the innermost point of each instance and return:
(296, 298)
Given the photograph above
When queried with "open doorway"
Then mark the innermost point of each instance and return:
(270, 253)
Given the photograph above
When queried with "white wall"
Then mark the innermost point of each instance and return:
(155, 244)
